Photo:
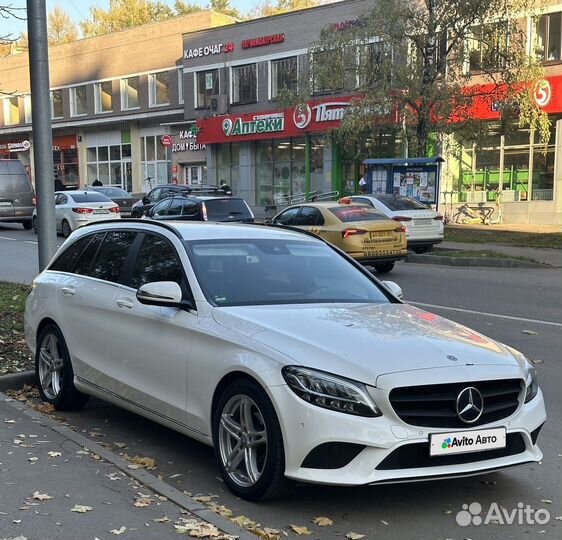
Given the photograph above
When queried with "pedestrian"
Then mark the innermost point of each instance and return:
(363, 184)
(225, 188)
(59, 186)
(96, 182)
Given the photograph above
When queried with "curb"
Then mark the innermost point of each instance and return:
(473, 261)
(16, 381)
(144, 477)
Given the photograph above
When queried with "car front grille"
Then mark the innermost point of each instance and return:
(416, 455)
(434, 405)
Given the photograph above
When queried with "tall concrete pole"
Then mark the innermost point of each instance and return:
(42, 134)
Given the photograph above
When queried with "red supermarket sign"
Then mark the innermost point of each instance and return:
(314, 116)
(263, 40)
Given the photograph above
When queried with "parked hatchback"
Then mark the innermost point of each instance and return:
(17, 198)
(202, 209)
(76, 208)
(424, 226)
(288, 357)
(362, 232)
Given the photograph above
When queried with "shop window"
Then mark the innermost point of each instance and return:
(327, 80)
(159, 89)
(488, 46)
(244, 84)
(11, 110)
(110, 165)
(65, 163)
(546, 37)
(207, 85)
(374, 64)
(103, 93)
(57, 107)
(284, 74)
(317, 180)
(78, 101)
(154, 161)
(130, 93)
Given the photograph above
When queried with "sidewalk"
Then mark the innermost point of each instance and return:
(56, 484)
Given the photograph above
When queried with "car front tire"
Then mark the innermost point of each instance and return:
(384, 268)
(249, 444)
(53, 370)
(27, 225)
(35, 225)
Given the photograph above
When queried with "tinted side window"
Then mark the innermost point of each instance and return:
(157, 260)
(161, 208)
(175, 207)
(112, 254)
(310, 216)
(190, 208)
(154, 195)
(67, 259)
(86, 259)
(362, 200)
(288, 217)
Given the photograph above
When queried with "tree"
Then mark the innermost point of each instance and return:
(123, 14)
(186, 8)
(61, 28)
(407, 61)
(223, 6)
(282, 6)
(9, 43)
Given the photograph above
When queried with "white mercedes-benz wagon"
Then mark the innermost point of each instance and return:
(290, 359)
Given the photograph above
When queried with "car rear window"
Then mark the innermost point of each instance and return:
(114, 192)
(401, 203)
(89, 197)
(227, 210)
(348, 214)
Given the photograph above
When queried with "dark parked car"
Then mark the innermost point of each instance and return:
(17, 198)
(164, 191)
(124, 199)
(202, 209)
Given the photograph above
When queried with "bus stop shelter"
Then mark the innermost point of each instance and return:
(418, 178)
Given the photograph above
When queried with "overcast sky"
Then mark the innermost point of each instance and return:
(79, 10)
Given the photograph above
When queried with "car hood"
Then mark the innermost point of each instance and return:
(363, 341)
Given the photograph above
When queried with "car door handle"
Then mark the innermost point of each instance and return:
(125, 303)
(68, 291)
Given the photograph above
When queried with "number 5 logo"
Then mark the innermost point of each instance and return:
(542, 93)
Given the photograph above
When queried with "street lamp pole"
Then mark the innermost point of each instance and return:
(42, 130)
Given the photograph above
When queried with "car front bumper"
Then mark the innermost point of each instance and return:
(308, 430)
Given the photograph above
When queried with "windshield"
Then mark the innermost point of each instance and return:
(277, 271)
(114, 192)
(227, 210)
(348, 214)
(395, 202)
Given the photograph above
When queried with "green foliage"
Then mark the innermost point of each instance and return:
(268, 8)
(396, 56)
(223, 6)
(186, 8)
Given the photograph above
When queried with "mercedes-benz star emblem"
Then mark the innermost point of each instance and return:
(470, 405)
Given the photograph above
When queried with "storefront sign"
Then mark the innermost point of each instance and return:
(207, 50)
(263, 123)
(542, 93)
(315, 116)
(344, 25)
(21, 146)
(188, 141)
(264, 40)
(166, 140)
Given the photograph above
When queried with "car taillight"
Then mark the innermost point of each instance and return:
(79, 210)
(351, 232)
(204, 211)
(115, 209)
(345, 200)
(400, 229)
(34, 201)
(402, 218)
(438, 218)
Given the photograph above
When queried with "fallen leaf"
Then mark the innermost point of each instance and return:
(298, 529)
(33, 459)
(164, 519)
(54, 454)
(546, 501)
(204, 530)
(143, 502)
(81, 508)
(322, 521)
(243, 521)
(268, 533)
(142, 462)
(354, 536)
(41, 496)
(120, 444)
(118, 531)
(530, 332)
(202, 498)
(44, 408)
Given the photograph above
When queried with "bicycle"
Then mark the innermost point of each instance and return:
(467, 214)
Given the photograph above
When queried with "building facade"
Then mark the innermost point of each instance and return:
(113, 98)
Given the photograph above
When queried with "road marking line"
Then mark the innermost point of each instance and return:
(7, 238)
(30, 241)
(523, 319)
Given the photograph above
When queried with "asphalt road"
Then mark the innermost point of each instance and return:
(521, 307)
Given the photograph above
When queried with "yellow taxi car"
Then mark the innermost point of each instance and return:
(361, 231)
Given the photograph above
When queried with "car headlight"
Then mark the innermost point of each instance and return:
(330, 391)
(531, 381)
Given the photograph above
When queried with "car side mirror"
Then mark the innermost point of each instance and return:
(394, 288)
(160, 293)
(269, 221)
(145, 200)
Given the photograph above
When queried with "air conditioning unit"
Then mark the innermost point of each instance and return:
(219, 104)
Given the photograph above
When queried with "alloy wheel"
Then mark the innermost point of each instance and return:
(50, 366)
(242, 440)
